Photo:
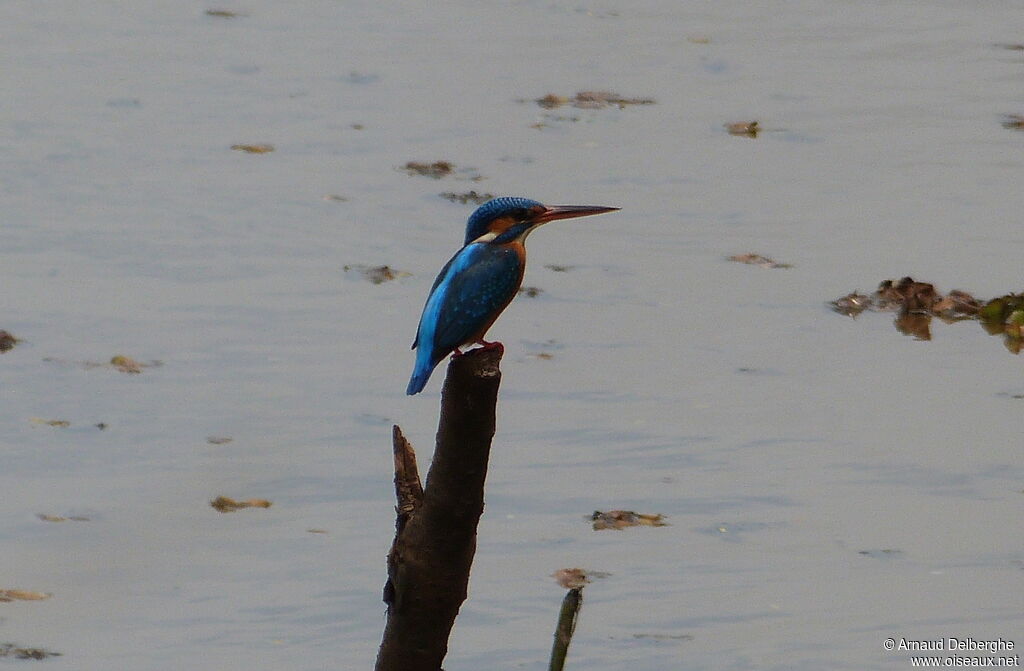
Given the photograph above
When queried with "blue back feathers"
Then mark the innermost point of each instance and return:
(491, 210)
(469, 294)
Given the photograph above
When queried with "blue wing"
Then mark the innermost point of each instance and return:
(476, 285)
(437, 280)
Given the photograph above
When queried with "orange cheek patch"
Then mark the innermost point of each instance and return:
(501, 224)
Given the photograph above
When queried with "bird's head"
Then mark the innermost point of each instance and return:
(507, 219)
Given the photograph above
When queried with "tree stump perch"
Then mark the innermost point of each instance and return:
(435, 526)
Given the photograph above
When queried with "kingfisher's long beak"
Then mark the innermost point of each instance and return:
(553, 212)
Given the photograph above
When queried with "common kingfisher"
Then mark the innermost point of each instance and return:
(479, 282)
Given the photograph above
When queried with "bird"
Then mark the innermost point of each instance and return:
(483, 277)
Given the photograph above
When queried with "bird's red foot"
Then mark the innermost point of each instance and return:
(491, 345)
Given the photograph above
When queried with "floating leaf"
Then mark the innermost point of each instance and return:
(1013, 122)
(881, 553)
(852, 304)
(125, 364)
(620, 519)
(665, 637)
(60, 423)
(591, 100)
(907, 295)
(254, 148)
(551, 101)
(8, 595)
(758, 260)
(12, 650)
(227, 505)
(118, 362)
(917, 303)
(377, 274)
(743, 128)
(7, 341)
(956, 304)
(437, 169)
(468, 197)
(57, 518)
(572, 578)
(218, 440)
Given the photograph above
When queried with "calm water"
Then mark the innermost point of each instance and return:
(829, 482)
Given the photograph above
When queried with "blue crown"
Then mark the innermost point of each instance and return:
(479, 222)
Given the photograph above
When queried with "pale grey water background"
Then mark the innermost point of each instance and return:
(782, 440)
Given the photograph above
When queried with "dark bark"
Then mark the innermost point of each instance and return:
(567, 617)
(435, 537)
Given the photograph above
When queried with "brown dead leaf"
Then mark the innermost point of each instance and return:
(377, 274)
(224, 504)
(906, 295)
(956, 304)
(599, 99)
(573, 578)
(126, 364)
(437, 169)
(758, 260)
(59, 423)
(7, 341)
(8, 595)
(551, 101)
(219, 440)
(665, 637)
(852, 304)
(743, 128)
(12, 650)
(590, 100)
(118, 362)
(1013, 122)
(254, 148)
(620, 519)
(468, 197)
(57, 518)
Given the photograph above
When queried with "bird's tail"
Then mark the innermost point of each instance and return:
(417, 382)
(425, 365)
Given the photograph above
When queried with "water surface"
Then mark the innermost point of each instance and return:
(829, 482)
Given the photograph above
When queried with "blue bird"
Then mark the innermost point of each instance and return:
(479, 282)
